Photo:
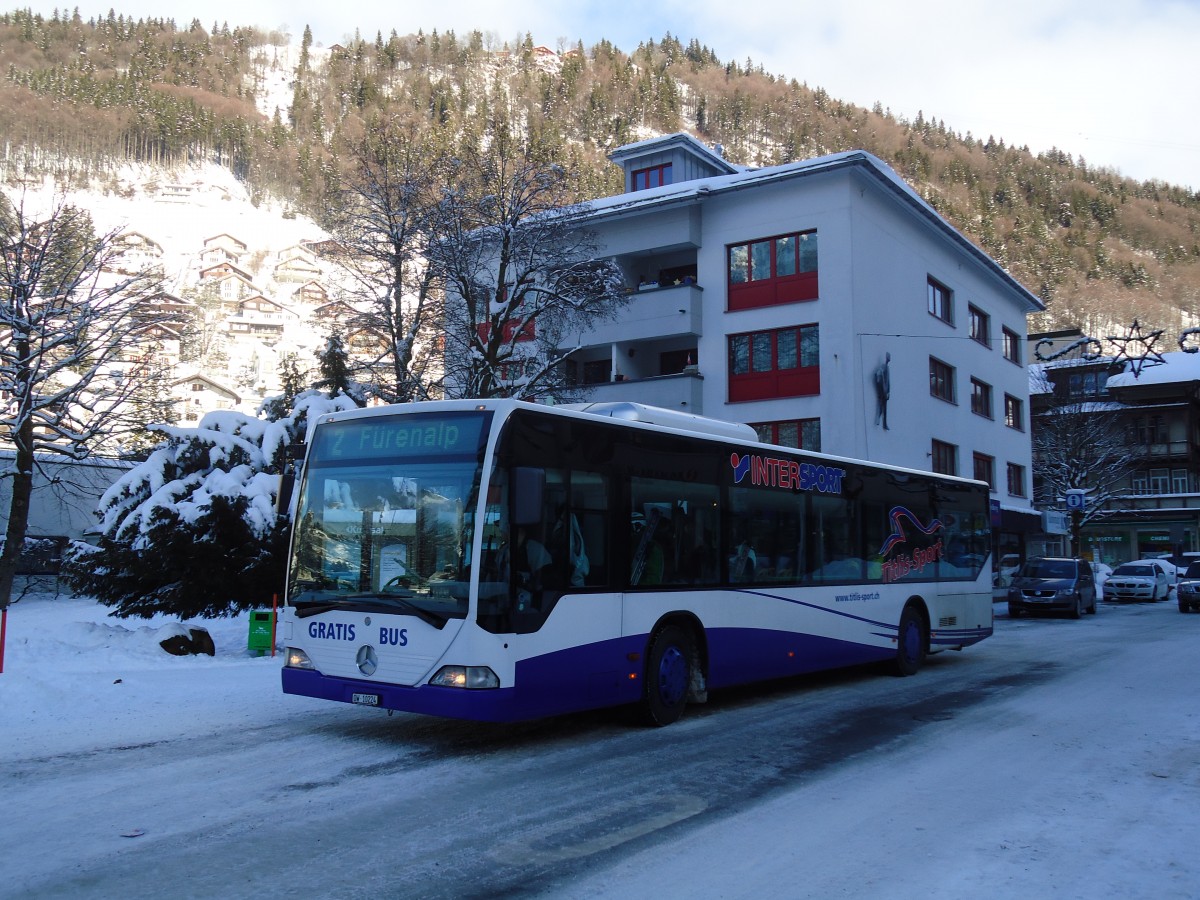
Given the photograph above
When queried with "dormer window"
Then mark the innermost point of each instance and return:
(655, 176)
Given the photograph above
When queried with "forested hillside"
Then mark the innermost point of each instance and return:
(79, 98)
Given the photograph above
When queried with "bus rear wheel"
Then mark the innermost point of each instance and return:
(668, 676)
(911, 640)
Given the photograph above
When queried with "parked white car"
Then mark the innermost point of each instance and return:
(1145, 579)
(1173, 570)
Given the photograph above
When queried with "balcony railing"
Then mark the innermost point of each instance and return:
(1162, 449)
(682, 392)
(652, 313)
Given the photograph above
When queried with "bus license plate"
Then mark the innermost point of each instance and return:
(365, 699)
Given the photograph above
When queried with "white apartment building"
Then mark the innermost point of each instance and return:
(823, 302)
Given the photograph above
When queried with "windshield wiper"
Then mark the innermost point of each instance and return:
(368, 603)
(306, 608)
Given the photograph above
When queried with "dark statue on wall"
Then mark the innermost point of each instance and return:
(883, 390)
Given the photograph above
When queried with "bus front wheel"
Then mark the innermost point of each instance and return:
(911, 640)
(668, 675)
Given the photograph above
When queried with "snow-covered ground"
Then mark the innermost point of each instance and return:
(1085, 786)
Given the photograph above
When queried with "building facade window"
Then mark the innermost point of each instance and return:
(780, 363)
(1016, 480)
(981, 398)
(803, 434)
(1149, 430)
(941, 302)
(1012, 346)
(1087, 385)
(1014, 412)
(597, 371)
(985, 469)
(767, 272)
(653, 176)
(945, 458)
(941, 380)
(1161, 481)
(980, 325)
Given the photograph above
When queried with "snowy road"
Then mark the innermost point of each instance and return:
(1058, 758)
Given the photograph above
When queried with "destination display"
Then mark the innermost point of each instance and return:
(397, 437)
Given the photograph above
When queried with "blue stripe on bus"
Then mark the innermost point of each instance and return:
(598, 675)
(941, 637)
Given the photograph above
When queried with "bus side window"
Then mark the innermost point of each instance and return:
(672, 532)
(578, 524)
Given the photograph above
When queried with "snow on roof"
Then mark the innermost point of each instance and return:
(690, 191)
(1176, 368)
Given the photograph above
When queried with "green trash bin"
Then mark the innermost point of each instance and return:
(262, 624)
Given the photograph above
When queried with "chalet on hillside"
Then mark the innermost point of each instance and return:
(221, 269)
(222, 248)
(363, 342)
(324, 249)
(260, 318)
(233, 284)
(167, 308)
(335, 311)
(261, 307)
(135, 252)
(175, 192)
(312, 293)
(296, 266)
(198, 394)
(159, 343)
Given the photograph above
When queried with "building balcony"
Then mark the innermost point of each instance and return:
(682, 392)
(1163, 449)
(1145, 503)
(652, 312)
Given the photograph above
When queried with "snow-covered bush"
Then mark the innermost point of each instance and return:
(193, 530)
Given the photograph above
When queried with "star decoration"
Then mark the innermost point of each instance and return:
(1137, 348)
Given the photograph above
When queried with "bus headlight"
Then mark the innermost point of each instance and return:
(470, 677)
(298, 659)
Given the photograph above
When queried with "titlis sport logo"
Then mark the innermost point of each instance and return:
(896, 562)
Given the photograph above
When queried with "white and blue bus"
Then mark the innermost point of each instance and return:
(499, 560)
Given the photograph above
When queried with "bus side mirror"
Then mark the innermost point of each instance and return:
(528, 486)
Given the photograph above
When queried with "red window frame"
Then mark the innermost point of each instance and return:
(770, 432)
(764, 379)
(651, 177)
(508, 331)
(763, 285)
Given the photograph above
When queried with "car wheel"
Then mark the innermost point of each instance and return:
(1183, 607)
(1077, 612)
(1013, 612)
(1092, 608)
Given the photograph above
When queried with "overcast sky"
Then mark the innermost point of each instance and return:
(1114, 82)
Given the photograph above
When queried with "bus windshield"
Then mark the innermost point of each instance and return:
(384, 520)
